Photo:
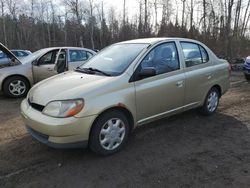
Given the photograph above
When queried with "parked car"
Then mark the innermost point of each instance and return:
(19, 74)
(246, 68)
(4, 59)
(20, 53)
(127, 84)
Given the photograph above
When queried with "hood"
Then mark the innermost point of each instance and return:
(13, 59)
(68, 85)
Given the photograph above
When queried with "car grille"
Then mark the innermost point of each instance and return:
(37, 107)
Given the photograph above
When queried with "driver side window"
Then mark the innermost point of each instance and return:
(163, 58)
(48, 58)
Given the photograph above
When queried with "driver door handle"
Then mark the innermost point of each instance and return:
(209, 76)
(179, 83)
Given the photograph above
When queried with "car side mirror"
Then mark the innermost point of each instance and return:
(35, 63)
(147, 72)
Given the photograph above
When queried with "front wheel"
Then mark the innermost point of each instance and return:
(109, 133)
(211, 102)
(15, 87)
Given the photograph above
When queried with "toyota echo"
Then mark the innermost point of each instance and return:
(127, 84)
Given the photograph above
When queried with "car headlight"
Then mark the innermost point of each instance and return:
(64, 108)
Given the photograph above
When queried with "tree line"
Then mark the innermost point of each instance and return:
(223, 25)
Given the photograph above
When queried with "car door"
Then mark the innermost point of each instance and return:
(77, 57)
(163, 93)
(198, 71)
(45, 66)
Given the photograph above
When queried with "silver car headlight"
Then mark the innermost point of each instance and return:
(64, 108)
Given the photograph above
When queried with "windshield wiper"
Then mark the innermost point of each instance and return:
(97, 70)
(79, 69)
(91, 70)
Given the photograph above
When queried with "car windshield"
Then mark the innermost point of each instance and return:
(33, 56)
(115, 59)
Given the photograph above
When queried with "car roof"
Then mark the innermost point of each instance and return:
(18, 50)
(156, 40)
(69, 47)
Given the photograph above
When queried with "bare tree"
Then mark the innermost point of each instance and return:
(183, 12)
(91, 20)
(191, 15)
(245, 19)
(76, 9)
(237, 17)
(228, 26)
(124, 12)
(156, 14)
(145, 15)
(3, 18)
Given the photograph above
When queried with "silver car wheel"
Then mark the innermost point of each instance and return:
(212, 101)
(17, 87)
(112, 134)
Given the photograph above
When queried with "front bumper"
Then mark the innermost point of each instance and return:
(45, 140)
(69, 132)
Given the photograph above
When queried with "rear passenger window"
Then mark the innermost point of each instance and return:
(204, 55)
(194, 54)
(78, 55)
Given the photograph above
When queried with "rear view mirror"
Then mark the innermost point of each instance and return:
(147, 72)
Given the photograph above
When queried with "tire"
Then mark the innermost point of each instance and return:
(247, 76)
(111, 128)
(15, 87)
(211, 102)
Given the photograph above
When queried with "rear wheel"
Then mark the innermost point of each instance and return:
(211, 102)
(15, 87)
(109, 133)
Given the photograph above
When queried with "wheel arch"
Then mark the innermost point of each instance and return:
(120, 108)
(218, 87)
(13, 75)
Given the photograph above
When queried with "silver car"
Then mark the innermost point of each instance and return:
(17, 76)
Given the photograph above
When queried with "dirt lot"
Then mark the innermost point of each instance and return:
(187, 150)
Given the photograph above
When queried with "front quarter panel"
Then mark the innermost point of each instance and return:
(21, 70)
(118, 93)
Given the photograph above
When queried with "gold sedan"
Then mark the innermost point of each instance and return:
(127, 84)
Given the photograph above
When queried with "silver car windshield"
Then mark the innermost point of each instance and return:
(115, 59)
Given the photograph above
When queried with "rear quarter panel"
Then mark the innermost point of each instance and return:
(222, 75)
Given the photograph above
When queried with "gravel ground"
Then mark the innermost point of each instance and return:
(186, 150)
